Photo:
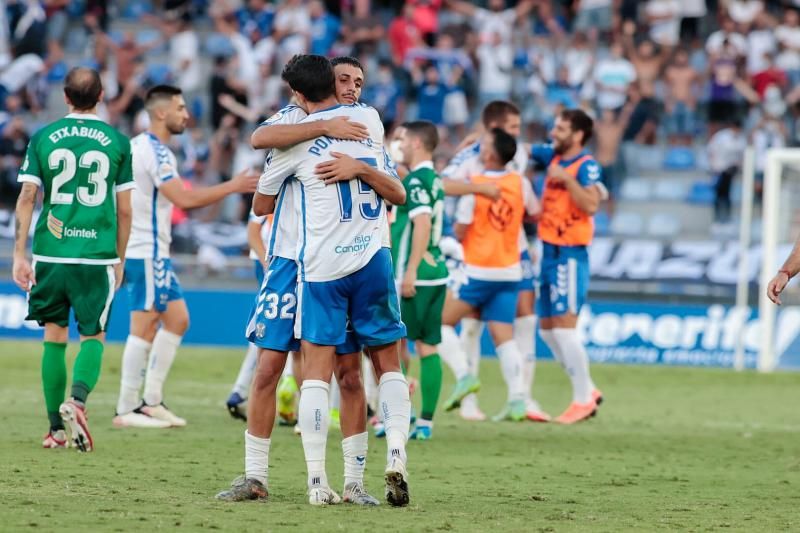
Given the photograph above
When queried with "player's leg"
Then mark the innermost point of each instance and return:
(288, 391)
(466, 301)
(525, 337)
(424, 326)
(241, 387)
(470, 337)
(48, 304)
(499, 313)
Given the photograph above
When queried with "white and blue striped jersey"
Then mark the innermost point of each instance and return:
(466, 163)
(151, 230)
(343, 225)
(266, 229)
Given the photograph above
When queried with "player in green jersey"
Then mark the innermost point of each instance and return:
(419, 264)
(83, 167)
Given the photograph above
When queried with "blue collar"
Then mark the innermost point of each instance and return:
(568, 162)
(337, 106)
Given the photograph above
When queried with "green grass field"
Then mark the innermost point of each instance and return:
(672, 448)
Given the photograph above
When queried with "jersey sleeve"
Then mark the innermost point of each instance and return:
(125, 175)
(389, 166)
(289, 115)
(532, 205)
(542, 154)
(279, 165)
(158, 164)
(418, 199)
(30, 171)
(465, 210)
(457, 168)
(589, 175)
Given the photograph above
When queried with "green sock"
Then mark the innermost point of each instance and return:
(54, 380)
(86, 371)
(430, 370)
(403, 368)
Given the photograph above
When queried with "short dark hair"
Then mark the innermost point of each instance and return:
(347, 60)
(496, 111)
(310, 75)
(83, 87)
(160, 92)
(504, 145)
(425, 131)
(579, 121)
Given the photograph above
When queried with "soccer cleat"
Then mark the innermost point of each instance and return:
(597, 396)
(396, 479)
(243, 490)
(323, 496)
(297, 430)
(55, 439)
(237, 406)
(470, 411)
(380, 430)
(354, 493)
(466, 385)
(534, 412)
(287, 394)
(514, 411)
(421, 433)
(139, 420)
(577, 412)
(335, 422)
(413, 417)
(74, 417)
(160, 412)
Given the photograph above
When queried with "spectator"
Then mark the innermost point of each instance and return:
(184, 56)
(426, 17)
(788, 36)
(324, 28)
(496, 60)
(726, 42)
(592, 17)
(403, 34)
(17, 75)
(13, 143)
(383, 94)
(224, 81)
(692, 13)
(362, 30)
(761, 42)
(579, 56)
(612, 77)
(456, 112)
(744, 12)
(257, 17)
(431, 93)
(646, 62)
(770, 132)
(495, 21)
(724, 151)
(609, 128)
(28, 27)
(771, 76)
(292, 29)
(664, 17)
(680, 105)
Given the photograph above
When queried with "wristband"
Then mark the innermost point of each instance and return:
(784, 271)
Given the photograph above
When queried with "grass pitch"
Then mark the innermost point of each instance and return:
(672, 449)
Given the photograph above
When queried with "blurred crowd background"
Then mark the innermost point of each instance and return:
(677, 87)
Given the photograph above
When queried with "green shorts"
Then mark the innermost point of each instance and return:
(422, 314)
(86, 289)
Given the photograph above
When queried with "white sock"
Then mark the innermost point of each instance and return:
(165, 345)
(313, 417)
(470, 337)
(256, 458)
(576, 363)
(354, 450)
(335, 396)
(525, 337)
(396, 408)
(451, 351)
(511, 366)
(246, 371)
(134, 365)
(550, 341)
(370, 383)
(288, 368)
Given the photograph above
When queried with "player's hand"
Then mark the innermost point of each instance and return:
(343, 128)
(23, 274)
(558, 174)
(119, 274)
(341, 168)
(776, 286)
(490, 190)
(407, 287)
(246, 181)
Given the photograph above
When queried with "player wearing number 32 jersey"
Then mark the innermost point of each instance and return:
(83, 167)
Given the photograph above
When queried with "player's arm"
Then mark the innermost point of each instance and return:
(243, 182)
(124, 222)
(465, 8)
(344, 168)
(287, 135)
(454, 187)
(420, 237)
(254, 239)
(23, 271)
(587, 193)
(789, 270)
(464, 215)
(278, 167)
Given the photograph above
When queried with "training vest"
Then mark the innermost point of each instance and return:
(491, 242)
(562, 222)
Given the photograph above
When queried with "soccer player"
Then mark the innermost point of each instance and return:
(506, 116)
(273, 332)
(572, 194)
(345, 273)
(258, 229)
(159, 316)
(83, 167)
(489, 231)
(419, 264)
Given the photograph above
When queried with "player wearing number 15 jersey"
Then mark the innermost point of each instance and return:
(83, 167)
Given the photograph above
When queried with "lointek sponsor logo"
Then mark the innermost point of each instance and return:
(715, 330)
(359, 244)
(58, 230)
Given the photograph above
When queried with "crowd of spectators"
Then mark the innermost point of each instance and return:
(668, 72)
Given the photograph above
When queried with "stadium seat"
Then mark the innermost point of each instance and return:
(673, 190)
(134, 10)
(626, 223)
(218, 45)
(679, 158)
(602, 223)
(664, 225)
(159, 74)
(636, 190)
(702, 192)
(57, 72)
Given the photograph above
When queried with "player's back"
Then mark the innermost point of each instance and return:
(80, 162)
(342, 225)
(153, 165)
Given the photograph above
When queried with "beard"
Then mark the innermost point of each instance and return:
(561, 147)
(176, 128)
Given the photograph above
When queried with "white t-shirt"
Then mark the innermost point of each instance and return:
(759, 42)
(496, 65)
(789, 37)
(151, 230)
(494, 22)
(736, 41)
(184, 46)
(693, 8)
(725, 149)
(580, 65)
(342, 226)
(20, 71)
(593, 4)
(744, 11)
(665, 32)
(615, 73)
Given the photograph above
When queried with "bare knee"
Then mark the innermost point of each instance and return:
(268, 371)
(350, 381)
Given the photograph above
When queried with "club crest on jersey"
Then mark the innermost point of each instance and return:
(260, 330)
(500, 214)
